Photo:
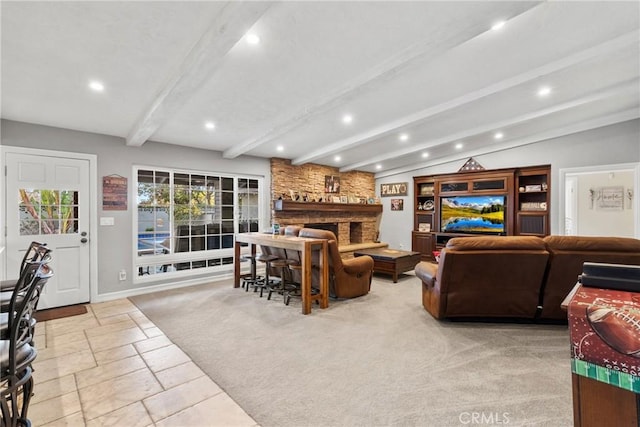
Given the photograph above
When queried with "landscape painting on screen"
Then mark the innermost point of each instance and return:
(472, 214)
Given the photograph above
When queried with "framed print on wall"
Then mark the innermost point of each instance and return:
(397, 204)
(331, 184)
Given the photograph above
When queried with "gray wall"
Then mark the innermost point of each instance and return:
(114, 157)
(594, 221)
(619, 143)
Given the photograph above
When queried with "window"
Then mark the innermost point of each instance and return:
(186, 221)
(48, 211)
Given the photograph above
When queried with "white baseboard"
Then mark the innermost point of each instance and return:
(162, 287)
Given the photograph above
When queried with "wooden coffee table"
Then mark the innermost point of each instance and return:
(391, 261)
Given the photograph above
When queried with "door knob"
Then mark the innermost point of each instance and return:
(84, 233)
(84, 240)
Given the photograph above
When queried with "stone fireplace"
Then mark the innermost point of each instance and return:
(354, 224)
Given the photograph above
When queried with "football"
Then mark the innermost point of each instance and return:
(618, 328)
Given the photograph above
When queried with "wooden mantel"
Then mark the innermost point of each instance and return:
(290, 205)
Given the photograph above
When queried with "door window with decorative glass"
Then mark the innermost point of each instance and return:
(48, 211)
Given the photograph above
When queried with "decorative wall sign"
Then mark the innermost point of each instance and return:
(393, 189)
(610, 198)
(114, 193)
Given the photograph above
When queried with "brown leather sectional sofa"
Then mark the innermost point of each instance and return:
(520, 277)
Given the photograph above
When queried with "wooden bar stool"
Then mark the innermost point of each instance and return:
(296, 290)
(253, 277)
(265, 282)
(285, 281)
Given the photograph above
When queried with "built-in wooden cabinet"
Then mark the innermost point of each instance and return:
(424, 205)
(523, 195)
(424, 243)
(532, 201)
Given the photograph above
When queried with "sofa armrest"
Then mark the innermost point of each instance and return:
(427, 272)
(358, 264)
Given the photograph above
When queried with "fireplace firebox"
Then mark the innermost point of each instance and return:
(329, 226)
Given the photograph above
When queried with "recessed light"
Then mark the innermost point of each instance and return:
(378, 166)
(96, 86)
(210, 125)
(498, 135)
(404, 137)
(425, 155)
(498, 25)
(544, 91)
(459, 146)
(347, 118)
(280, 148)
(252, 38)
(337, 158)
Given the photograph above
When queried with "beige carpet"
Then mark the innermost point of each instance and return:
(378, 360)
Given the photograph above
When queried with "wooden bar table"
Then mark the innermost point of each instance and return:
(305, 246)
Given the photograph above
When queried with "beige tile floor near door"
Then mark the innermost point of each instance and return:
(114, 367)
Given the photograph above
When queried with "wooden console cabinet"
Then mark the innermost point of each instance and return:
(597, 404)
(525, 190)
(424, 243)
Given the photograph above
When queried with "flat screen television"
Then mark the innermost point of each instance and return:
(473, 214)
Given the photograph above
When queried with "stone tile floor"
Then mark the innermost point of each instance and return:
(114, 367)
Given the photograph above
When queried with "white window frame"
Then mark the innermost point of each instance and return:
(141, 261)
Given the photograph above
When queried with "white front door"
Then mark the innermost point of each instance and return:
(47, 200)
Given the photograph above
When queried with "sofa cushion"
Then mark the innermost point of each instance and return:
(587, 244)
(496, 243)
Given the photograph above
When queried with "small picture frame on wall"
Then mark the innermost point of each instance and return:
(344, 199)
(397, 204)
(331, 184)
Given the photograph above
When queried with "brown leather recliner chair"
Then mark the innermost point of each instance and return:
(348, 278)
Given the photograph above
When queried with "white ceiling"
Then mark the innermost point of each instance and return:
(433, 70)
